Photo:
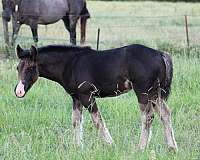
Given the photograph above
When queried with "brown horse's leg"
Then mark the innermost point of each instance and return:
(73, 20)
(16, 26)
(146, 118)
(165, 115)
(77, 121)
(66, 23)
(5, 30)
(35, 35)
(83, 21)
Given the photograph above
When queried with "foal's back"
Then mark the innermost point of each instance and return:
(134, 56)
(109, 70)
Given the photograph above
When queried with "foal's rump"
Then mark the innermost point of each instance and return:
(150, 71)
(166, 84)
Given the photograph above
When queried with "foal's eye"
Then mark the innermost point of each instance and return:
(17, 68)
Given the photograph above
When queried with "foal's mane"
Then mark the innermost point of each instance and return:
(62, 48)
(55, 49)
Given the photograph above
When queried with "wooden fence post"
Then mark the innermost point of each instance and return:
(186, 30)
(98, 36)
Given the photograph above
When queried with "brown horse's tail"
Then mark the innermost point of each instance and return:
(166, 84)
(84, 16)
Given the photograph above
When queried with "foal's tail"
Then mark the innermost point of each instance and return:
(166, 84)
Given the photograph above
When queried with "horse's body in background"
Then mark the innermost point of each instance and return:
(44, 12)
(85, 74)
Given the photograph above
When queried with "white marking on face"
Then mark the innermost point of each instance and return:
(16, 8)
(20, 92)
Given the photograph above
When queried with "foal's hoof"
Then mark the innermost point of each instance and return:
(109, 144)
(141, 149)
(173, 150)
(78, 145)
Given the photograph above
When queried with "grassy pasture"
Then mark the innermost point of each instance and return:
(39, 126)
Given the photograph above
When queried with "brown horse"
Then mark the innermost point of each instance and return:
(86, 73)
(44, 12)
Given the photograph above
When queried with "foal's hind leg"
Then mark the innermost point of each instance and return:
(165, 115)
(146, 118)
(77, 121)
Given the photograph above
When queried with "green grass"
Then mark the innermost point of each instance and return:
(39, 126)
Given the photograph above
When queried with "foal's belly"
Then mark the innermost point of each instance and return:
(113, 90)
(113, 93)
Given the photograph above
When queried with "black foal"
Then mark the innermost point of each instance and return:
(86, 73)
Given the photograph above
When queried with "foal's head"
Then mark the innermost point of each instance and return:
(27, 70)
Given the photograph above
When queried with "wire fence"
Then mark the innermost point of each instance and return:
(182, 30)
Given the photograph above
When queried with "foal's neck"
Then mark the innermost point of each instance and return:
(53, 65)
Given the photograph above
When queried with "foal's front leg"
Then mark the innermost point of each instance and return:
(101, 126)
(97, 119)
(77, 121)
(146, 118)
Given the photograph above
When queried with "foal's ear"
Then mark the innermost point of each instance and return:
(19, 51)
(34, 52)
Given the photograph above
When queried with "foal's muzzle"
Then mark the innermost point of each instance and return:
(20, 90)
